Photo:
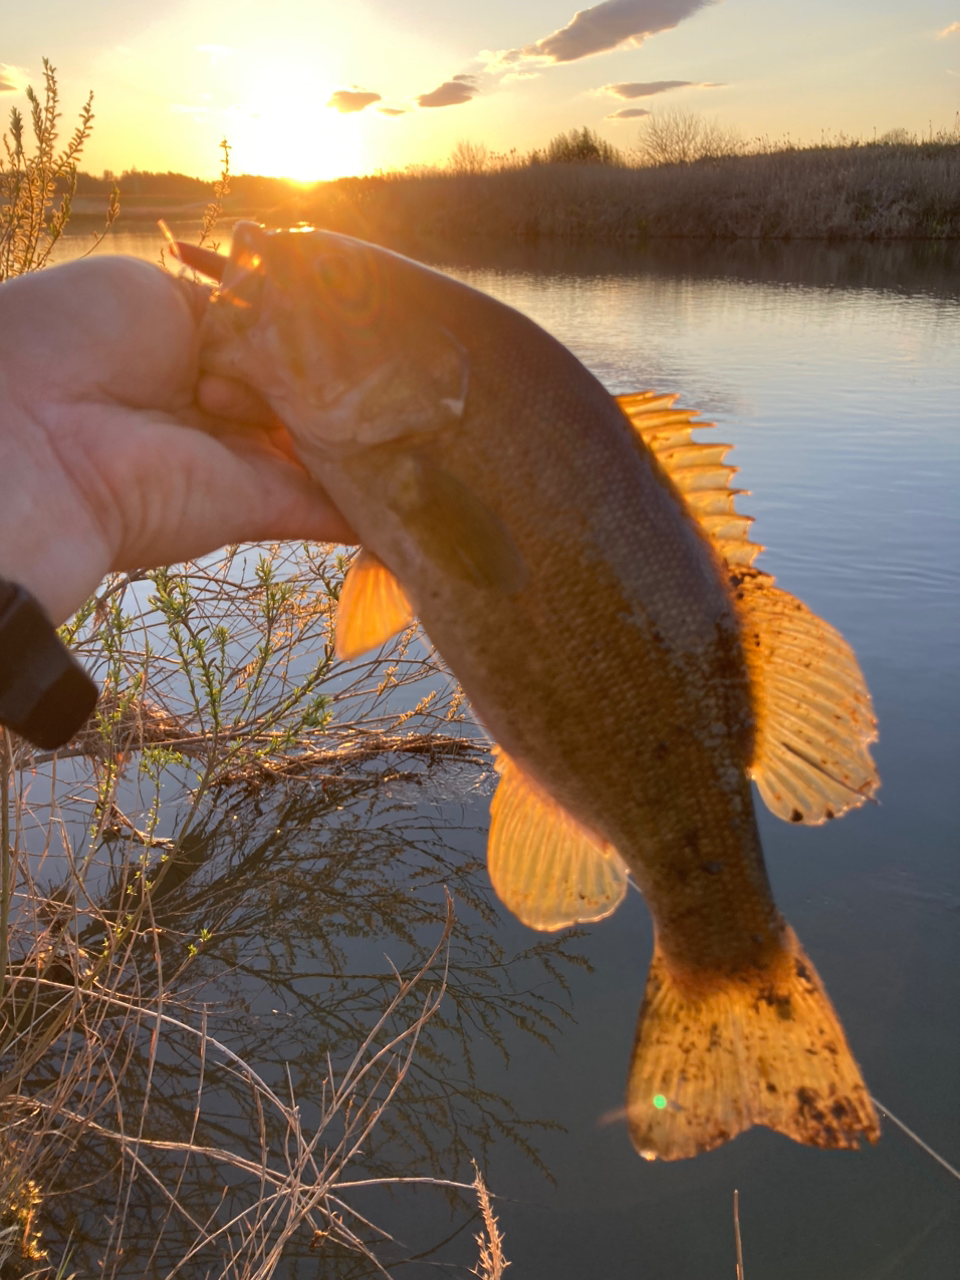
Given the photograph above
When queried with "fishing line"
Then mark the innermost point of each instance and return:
(918, 1140)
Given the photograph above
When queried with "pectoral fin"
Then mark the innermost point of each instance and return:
(373, 607)
(814, 718)
(545, 867)
(454, 528)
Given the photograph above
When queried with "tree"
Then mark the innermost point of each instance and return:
(680, 137)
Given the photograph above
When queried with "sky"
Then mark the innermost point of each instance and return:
(312, 89)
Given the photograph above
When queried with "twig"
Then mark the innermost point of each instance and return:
(736, 1233)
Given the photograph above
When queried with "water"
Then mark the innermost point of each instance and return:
(836, 374)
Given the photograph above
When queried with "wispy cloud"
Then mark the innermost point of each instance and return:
(392, 111)
(952, 30)
(606, 26)
(347, 101)
(628, 113)
(451, 93)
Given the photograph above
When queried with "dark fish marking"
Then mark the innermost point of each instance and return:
(796, 816)
(776, 1000)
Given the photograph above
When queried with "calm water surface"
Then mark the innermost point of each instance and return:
(836, 374)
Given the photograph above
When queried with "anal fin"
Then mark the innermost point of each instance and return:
(372, 607)
(760, 1047)
(545, 867)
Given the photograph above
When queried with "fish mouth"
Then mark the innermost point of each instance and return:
(241, 275)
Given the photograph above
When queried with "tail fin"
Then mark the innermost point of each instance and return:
(765, 1047)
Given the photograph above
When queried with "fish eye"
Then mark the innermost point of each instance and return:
(348, 281)
(334, 271)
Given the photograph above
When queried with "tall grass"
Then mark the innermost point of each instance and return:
(820, 193)
(688, 178)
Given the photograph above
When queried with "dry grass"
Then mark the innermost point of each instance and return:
(39, 181)
(841, 192)
(492, 1262)
(210, 820)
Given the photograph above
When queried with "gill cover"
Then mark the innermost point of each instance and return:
(330, 317)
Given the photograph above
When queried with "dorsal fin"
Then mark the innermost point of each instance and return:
(372, 607)
(697, 470)
(546, 868)
(813, 716)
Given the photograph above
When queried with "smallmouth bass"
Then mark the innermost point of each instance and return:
(579, 564)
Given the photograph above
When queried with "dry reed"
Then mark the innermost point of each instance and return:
(848, 191)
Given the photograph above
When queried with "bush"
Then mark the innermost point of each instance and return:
(581, 146)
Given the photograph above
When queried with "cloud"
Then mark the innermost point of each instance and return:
(952, 30)
(647, 90)
(348, 100)
(392, 111)
(451, 93)
(605, 26)
(12, 79)
(628, 113)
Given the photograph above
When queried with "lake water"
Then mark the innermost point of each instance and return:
(836, 374)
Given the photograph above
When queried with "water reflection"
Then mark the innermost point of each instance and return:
(306, 909)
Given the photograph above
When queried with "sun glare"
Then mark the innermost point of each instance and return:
(289, 132)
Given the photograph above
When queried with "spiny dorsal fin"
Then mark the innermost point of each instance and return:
(372, 607)
(544, 866)
(812, 710)
(697, 470)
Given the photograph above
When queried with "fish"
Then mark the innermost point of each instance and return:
(578, 561)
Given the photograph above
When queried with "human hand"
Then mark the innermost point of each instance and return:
(114, 453)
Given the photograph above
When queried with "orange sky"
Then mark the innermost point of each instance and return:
(411, 79)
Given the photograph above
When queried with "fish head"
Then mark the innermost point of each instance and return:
(334, 333)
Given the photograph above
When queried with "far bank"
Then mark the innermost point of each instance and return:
(863, 192)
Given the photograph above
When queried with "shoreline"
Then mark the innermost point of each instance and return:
(864, 193)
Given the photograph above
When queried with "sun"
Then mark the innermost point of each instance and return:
(287, 130)
(307, 151)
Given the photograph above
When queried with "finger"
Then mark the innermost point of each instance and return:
(248, 439)
(227, 398)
